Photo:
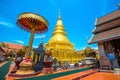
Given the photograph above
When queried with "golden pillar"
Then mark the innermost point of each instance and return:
(30, 42)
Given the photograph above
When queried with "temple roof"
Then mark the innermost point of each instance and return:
(107, 28)
(59, 35)
(14, 46)
(108, 17)
(106, 35)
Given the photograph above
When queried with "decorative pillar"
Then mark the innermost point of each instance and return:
(34, 57)
(30, 42)
(101, 49)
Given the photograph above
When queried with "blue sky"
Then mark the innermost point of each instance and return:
(78, 18)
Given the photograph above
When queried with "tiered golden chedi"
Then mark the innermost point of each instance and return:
(62, 49)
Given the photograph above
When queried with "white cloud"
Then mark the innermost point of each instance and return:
(38, 37)
(19, 41)
(35, 46)
(7, 24)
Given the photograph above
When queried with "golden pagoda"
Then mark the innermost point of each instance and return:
(61, 47)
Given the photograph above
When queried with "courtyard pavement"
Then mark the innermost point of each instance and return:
(72, 74)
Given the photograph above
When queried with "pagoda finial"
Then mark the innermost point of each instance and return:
(59, 16)
(118, 5)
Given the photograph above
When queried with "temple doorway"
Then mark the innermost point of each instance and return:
(112, 47)
(116, 45)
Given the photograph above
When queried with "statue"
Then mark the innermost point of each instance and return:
(54, 66)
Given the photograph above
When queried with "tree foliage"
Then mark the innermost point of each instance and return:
(88, 51)
(22, 51)
(3, 44)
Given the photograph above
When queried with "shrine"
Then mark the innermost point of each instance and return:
(38, 57)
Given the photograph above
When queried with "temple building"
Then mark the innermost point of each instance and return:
(107, 35)
(13, 47)
(60, 46)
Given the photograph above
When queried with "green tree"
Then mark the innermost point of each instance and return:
(3, 44)
(22, 51)
(88, 50)
(11, 55)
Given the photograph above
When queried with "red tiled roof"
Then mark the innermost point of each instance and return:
(106, 35)
(14, 46)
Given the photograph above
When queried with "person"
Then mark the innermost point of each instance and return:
(97, 64)
(113, 61)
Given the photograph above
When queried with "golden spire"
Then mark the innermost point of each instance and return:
(59, 34)
(59, 22)
(59, 43)
(59, 29)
